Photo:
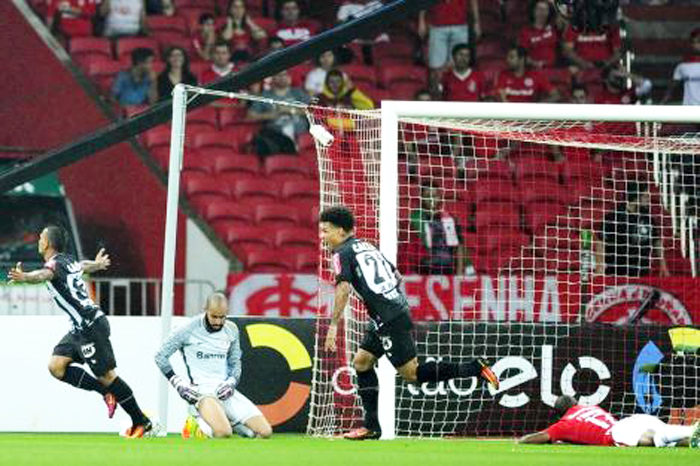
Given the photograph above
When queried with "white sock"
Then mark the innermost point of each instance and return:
(670, 434)
(205, 428)
(244, 431)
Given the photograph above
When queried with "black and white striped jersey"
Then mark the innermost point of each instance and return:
(68, 290)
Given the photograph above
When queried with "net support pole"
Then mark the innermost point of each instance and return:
(388, 244)
(177, 142)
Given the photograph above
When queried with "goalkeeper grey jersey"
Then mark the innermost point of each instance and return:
(210, 357)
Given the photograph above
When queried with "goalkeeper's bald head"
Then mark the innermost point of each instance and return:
(564, 403)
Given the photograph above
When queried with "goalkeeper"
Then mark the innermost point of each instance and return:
(360, 266)
(212, 354)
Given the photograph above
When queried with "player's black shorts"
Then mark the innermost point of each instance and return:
(90, 346)
(394, 339)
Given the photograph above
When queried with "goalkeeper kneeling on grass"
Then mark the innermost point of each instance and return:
(211, 350)
(592, 425)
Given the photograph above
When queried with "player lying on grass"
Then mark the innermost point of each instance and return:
(360, 266)
(592, 425)
(211, 350)
(88, 340)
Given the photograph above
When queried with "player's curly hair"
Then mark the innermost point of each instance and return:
(339, 216)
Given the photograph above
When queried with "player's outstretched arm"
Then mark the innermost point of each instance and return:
(17, 275)
(101, 262)
(342, 295)
(537, 437)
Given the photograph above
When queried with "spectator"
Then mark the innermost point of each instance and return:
(579, 94)
(518, 84)
(630, 238)
(615, 89)
(291, 28)
(71, 18)
(275, 44)
(462, 83)
(688, 73)
(339, 93)
(221, 64)
(243, 33)
(591, 48)
(446, 25)
(205, 38)
(435, 244)
(137, 85)
(160, 7)
(177, 70)
(282, 123)
(353, 9)
(423, 95)
(540, 39)
(317, 77)
(123, 17)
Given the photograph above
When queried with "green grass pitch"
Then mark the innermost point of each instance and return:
(107, 450)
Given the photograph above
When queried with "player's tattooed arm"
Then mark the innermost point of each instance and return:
(342, 295)
(101, 262)
(17, 275)
(537, 437)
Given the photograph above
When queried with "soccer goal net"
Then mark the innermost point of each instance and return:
(558, 241)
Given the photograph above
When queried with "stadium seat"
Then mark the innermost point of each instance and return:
(496, 191)
(228, 214)
(159, 23)
(300, 191)
(504, 215)
(534, 169)
(126, 44)
(484, 169)
(156, 138)
(280, 168)
(219, 139)
(388, 76)
(266, 261)
(298, 74)
(203, 119)
(546, 191)
(297, 238)
(103, 73)
(361, 75)
(93, 47)
(268, 24)
(490, 48)
(306, 142)
(242, 133)
(539, 214)
(232, 115)
(233, 167)
(560, 249)
(242, 238)
(276, 216)
(256, 190)
(193, 160)
(307, 262)
(401, 48)
(202, 192)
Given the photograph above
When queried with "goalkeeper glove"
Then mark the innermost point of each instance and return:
(224, 391)
(186, 391)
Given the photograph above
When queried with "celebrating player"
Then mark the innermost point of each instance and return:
(592, 425)
(88, 340)
(212, 353)
(359, 265)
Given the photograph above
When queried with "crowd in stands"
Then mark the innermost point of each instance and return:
(136, 51)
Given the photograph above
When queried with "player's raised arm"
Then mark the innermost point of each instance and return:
(101, 262)
(342, 295)
(537, 437)
(17, 275)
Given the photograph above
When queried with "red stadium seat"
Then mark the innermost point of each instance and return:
(203, 119)
(300, 191)
(233, 115)
(361, 75)
(242, 238)
(384, 50)
(288, 238)
(256, 190)
(243, 133)
(306, 142)
(500, 214)
(219, 139)
(307, 262)
(560, 249)
(156, 138)
(83, 47)
(496, 191)
(195, 161)
(391, 75)
(483, 169)
(268, 24)
(223, 216)
(235, 167)
(167, 23)
(546, 191)
(126, 44)
(266, 261)
(205, 191)
(276, 216)
(490, 48)
(536, 169)
(286, 167)
(103, 73)
(539, 214)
